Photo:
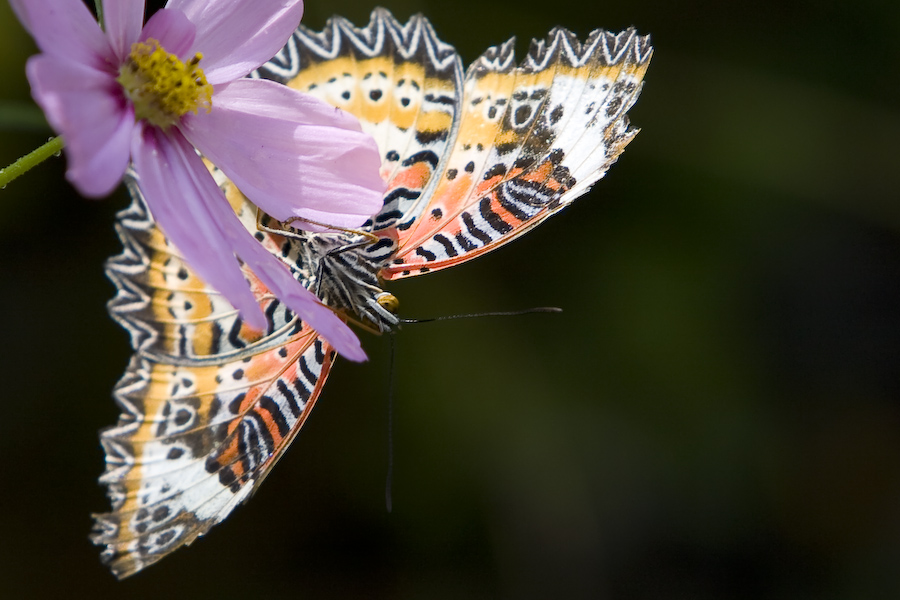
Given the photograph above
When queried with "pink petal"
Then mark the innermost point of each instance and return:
(238, 36)
(296, 155)
(194, 214)
(107, 157)
(175, 187)
(123, 20)
(173, 30)
(87, 108)
(66, 29)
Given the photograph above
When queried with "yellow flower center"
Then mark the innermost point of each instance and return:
(162, 88)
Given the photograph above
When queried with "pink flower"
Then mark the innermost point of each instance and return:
(153, 93)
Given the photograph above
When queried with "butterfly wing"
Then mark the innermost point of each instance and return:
(532, 138)
(400, 81)
(208, 405)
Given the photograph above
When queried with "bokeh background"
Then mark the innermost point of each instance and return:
(714, 415)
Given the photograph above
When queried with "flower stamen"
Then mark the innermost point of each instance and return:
(161, 87)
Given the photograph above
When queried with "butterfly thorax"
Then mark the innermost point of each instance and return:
(342, 270)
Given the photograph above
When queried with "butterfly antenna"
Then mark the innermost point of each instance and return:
(370, 236)
(514, 313)
(282, 224)
(389, 480)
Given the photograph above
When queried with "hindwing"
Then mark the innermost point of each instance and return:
(208, 405)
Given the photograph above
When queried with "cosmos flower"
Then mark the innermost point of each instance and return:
(153, 93)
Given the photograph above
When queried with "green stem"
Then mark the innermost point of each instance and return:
(51, 148)
(98, 4)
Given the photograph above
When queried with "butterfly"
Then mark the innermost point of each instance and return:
(471, 160)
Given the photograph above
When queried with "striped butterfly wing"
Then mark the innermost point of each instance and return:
(208, 406)
(531, 139)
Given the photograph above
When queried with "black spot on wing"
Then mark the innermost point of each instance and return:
(429, 256)
(447, 100)
(464, 242)
(380, 244)
(423, 156)
(474, 231)
(429, 136)
(556, 114)
(492, 218)
(290, 397)
(268, 404)
(234, 407)
(498, 169)
(401, 192)
(388, 216)
(307, 372)
(320, 354)
(234, 336)
(446, 243)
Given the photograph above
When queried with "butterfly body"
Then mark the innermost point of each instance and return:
(344, 270)
(471, 161)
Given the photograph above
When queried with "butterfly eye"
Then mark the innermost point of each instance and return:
(388, 301)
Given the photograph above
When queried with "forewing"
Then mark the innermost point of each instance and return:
(532, 138)
(403, 84)
(208, 406)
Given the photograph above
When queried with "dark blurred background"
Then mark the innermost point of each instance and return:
(714, 415)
